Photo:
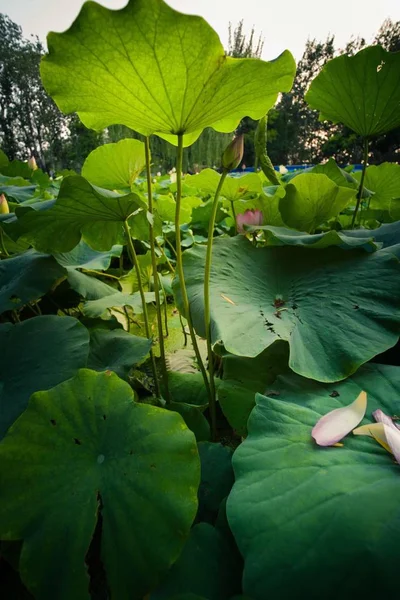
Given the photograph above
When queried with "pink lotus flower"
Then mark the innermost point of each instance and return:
(251, 218)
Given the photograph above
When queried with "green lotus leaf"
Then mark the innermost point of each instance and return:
(188, 388)
(116, 351)
(158, 71)
(115, 166)
(233, 188)
(194, 419)
(216, 479)
(87, 286)
(243, 377)
(37, 354)
(85, 447)
(360, 91)
(208, 567)
(281, 236)
(101, 306)
(166, 206)
(129, 282)
(84, 212)
(384, 181)
(328, 516)
(311, 199)
(260, 295)
(269, 202)
(388, 235)
(27, 277)
(17, 189)
(84, 257)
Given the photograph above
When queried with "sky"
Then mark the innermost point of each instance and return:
(283, 24)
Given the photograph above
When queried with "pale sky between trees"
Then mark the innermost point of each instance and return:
(283, 24)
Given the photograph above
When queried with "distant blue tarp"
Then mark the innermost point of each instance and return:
(292, 168)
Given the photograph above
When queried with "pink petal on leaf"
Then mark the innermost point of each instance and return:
(393, 438)
(381, 417)
(334, 426)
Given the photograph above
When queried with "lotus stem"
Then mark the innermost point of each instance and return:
(361, 188)
(179, 265)
(155, 275)
(207, 313)
(134, 260)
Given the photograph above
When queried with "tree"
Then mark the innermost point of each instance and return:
(29, 120)
(295, 134)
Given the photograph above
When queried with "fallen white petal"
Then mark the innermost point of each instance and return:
(335, 425)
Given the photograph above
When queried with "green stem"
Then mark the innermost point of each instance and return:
(155, 275)
(361, 188)
(133, 257)
(234, 216)
(179, 264)
(207, 314)
(162, 250)
(101, 273)
(2, 245)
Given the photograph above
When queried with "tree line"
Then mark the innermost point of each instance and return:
(32, 125)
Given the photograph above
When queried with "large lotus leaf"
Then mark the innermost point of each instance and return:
(384, 181)
(156, 70)
(166, 207)
(116, 351)
(387, 235)
(87, 286)
(360, 91)
(17, 190)
(312, 199)
(260, 295)
(101, 306)
(243, 377)
(329, 517)
(194, 419)
(86, 446)
(208, 567)
(36, 355)
(84, 257)
(335, 173)
(216, 479)
(233, 188)
(115, 166)
(82, 211)
(269, 202)
(281, 236)
(27, 277)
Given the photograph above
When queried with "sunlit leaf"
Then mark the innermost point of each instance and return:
(360, 91)
(115, 166)
(311, 199)
(156, 70)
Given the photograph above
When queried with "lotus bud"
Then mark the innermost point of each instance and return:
(251, 218)
(233, 154)
(32, 163)
(4, 208)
